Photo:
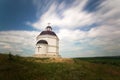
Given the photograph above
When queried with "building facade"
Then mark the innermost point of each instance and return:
(47, 44)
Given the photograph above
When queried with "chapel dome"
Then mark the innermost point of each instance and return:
(42, 42)
(48, 31)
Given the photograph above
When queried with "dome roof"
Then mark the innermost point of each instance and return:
(49, 27)
(42, 42)
(48, 33)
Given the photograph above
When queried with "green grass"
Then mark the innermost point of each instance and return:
(19, 68)
(103, 60)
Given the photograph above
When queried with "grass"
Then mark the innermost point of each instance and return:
(102, 60)
(19, 68)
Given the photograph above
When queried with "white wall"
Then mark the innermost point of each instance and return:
(42, 50)
(53, 44)
(52, 49)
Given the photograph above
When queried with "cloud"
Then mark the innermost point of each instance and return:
(18, 42)
(109, 13)
(107, 37)
(68, 39)
(71, 17)
(108, 33)
(71, 35)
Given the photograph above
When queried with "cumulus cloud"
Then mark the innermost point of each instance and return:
(18, 42)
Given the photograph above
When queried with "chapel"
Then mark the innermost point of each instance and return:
(47, 44)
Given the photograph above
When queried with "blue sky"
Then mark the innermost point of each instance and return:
(85, 27)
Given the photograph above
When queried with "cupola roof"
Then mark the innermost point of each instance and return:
(48, 31)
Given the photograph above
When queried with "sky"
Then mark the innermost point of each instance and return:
(86, 28)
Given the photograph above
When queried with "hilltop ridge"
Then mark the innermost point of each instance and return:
(28, 68)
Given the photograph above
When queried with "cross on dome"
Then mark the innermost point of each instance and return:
(49, 28)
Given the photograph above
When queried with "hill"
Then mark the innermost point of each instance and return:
(27, 68)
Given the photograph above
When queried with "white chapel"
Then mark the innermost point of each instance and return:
(47, 44)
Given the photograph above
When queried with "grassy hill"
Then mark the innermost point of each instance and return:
(20, 68)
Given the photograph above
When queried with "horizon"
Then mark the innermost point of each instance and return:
(86, 28)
